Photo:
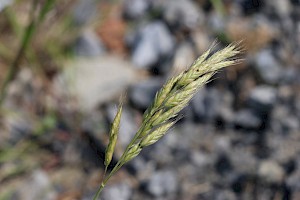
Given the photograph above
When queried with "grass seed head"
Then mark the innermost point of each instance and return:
(169, 101)
(132, 153)
(113, 136)
(156, 134)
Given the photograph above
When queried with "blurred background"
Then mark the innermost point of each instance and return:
(64, 65)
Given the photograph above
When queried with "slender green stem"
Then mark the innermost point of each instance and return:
(116, 167)
(99, 191)
(27, 37)
(183, 85)
(45, 9)
(15, 65)
(11, 17)
(219, 7)
(103, 183)
(132, 142)
(104, 174)
(121, 160)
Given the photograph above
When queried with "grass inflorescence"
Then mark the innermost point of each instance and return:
(162, 114)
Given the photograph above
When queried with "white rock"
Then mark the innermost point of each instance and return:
(162, 183)
(135, 8)
(37, 187)
(84, 11)
(268, 67)
(88, 45)
(271, 172)
(95, 80)
(282, 7)
(155, 41)
(183, 12)
(117, 192)
(264, 94)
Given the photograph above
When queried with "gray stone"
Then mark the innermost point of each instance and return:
(154, 41)
(95, 80)
(198, 105)
(37, 187)
(72, 153)
(201, 159)
(191, 136)
(142, 169)
(247, 120)
(135, 8)
(160, 153)
(295, 2)
(172, 138)
(226, 115)
(23, 89)
(216, 22)
(291, 123)
(131, 38)
(162, 183)
(223, 165)
(297, 105)
(84, 11)
(243, 160)
(184, 13)
(264, 193)
(262, 99)
(283, 120)
(93, 122)
(117, 192)
(206, 104)
(19, 126)
(293, 181)
(87, 196)
(222, 144)
(225, 195)
(225, 111)
(88, 44)
(268, 67)
(290, 76)
(271, 172)
(5, 3)
(69, 177)
(145, 54)
(142, 94)
(249, 6)
(285, 93)
(283, 8)
(285, 147)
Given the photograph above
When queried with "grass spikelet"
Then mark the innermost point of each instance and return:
(132, 153)
(177, 98)
(187, 91)
(156, 134)
(113, 135)
(203, 57)
(161, 95)
(172, 112)
(168, 102)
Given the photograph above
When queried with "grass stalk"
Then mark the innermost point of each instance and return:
(169, 101)
(219, 7)
(27, 37)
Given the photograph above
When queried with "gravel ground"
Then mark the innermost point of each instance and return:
(240, 135)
